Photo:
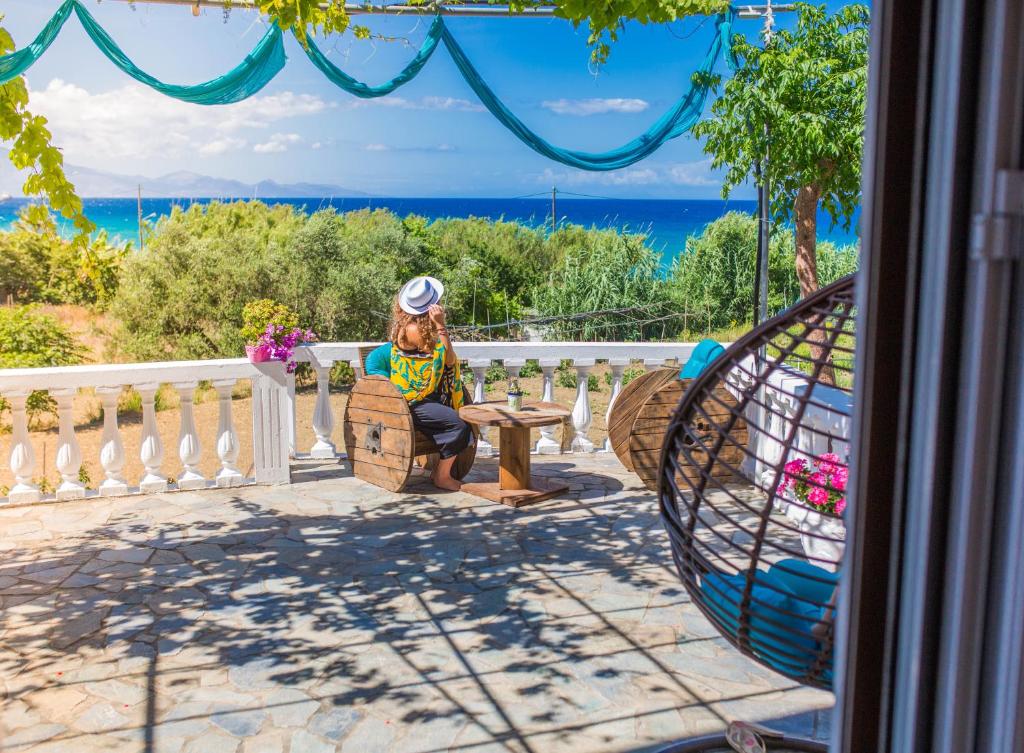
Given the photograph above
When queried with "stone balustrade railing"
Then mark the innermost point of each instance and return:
(273, 410)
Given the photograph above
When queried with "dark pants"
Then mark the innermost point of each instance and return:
(442, 424)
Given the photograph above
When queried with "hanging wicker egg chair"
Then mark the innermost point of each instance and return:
(758, 542)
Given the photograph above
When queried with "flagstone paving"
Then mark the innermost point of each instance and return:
(329, 615)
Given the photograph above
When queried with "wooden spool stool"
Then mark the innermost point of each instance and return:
(643, 411)
(627, 408)
(381, 441)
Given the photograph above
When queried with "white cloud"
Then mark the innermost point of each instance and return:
(676, 174)
(692, 174)
(376, 148)
(423, 103)
(135, 122)
(386, 148)
(279, 142)
(219, 146)
(594, 106)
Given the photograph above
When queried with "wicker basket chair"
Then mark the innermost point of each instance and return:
(760, 556)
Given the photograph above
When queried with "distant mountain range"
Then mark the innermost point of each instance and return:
(185, 184)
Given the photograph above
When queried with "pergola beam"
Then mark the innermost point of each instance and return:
(356, 9)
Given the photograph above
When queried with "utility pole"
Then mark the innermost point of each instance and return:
(767, 13)
(554, 213)
(140, 217)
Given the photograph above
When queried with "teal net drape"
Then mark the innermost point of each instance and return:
(677, 120)
(14, 64)
(261, 65)
(341, 79)
(267, 59)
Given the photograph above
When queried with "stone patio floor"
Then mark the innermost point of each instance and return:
(330, 615)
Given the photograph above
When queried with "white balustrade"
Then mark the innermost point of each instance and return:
(293, 446)
(581, 415)
(112, 450)
(227, 439)
(69, 453)
(23, 457)
(323, 418)
(357, 367)
(547, 444)
(618, 368)
(151, 449)
(479, 367)
(273, 415)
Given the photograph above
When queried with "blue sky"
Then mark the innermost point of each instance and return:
(431, 138)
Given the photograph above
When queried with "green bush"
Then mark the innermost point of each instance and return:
(256, 315)
(565, 376)
(36, 264)
(712, 282)
(628, 375)
(603, 270)
(30, 338)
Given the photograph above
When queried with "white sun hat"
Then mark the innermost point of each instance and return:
(419, 294)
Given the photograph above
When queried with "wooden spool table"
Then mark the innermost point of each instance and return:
(514, 486)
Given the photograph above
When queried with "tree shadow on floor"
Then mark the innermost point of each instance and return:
(484, 624)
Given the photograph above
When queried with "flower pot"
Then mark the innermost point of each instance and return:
(823, 537)
(258, 353)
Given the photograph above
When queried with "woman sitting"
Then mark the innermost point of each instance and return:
(425, 369)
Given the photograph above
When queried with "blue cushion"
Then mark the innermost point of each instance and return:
(806, 581)
(379, 361)
(780, 621)
(702, 356)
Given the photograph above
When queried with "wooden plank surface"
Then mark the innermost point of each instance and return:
(627, 406)
(498, 414)
(514, 457)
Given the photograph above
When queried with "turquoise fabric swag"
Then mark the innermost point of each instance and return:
(268, 58)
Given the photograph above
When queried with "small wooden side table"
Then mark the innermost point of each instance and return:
(514, 486)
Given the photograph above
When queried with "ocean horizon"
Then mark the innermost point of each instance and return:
(667, 223)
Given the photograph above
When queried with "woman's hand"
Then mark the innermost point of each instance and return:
(436, 316)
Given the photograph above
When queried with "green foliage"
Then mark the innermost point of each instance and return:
(36, 264)
(30, 338)
(565, 376)
(712, 283)
(800, 100)
(605, 19)
(604, 270)
(529, 369)
(256, 315)
(30, 149)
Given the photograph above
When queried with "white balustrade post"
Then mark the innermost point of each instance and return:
(618, 366)
(269, 419)
(151, 451)
(651, 364)
(323, 418)
(581, 415)
(293, 442)
(479, 367)
(23, 458)
(547, 444)
(69, 453)
(357, 368)
(227, 439)
(513, 366)
(112, 450)
(190, 451)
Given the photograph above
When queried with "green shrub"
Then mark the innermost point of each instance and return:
(256, 315)
(36, 264)
(628, 375)
(530, 369)
(712, 282)
(30, 338)
(599, 271)
(565, 376)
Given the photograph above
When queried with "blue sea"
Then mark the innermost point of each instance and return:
(666, 222)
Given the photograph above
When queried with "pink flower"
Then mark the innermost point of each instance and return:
(840, 505)
(828, 462)
(795, 469)
(817, 494)
(840, 478)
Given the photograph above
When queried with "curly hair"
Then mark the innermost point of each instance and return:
(401, 319)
